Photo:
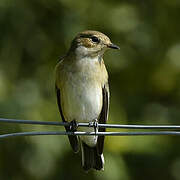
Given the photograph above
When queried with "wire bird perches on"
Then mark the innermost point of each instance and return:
(162, 129)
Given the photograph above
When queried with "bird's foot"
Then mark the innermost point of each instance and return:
(94, 123)
(73, 125)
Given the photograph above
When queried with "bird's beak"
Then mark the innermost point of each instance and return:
(113, 46)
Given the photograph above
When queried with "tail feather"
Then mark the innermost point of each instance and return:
(91, 158)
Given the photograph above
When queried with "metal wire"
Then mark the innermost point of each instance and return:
(18, 121)
(91, 133)
(163, 129)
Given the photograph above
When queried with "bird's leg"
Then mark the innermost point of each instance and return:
(73, 125)
(94, 123)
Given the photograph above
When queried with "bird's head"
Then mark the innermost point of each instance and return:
(91, 43)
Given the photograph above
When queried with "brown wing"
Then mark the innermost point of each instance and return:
(103, 117)
(72, 139)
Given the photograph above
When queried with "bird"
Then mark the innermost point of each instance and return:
(82, 91)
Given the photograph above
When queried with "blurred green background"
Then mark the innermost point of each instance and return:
(144, 84)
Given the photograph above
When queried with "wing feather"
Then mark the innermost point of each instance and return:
(72, 139)
(103, 117)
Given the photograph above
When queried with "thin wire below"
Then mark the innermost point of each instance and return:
(91, 133)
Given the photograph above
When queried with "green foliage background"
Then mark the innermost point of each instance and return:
(144, 84)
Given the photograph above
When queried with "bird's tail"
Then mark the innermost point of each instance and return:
(91, 158)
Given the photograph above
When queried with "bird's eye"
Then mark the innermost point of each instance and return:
(95, 39)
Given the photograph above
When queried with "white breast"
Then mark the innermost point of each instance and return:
(82, 94)
(82, 101)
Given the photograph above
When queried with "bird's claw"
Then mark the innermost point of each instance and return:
(94, 123)
(73, 125)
